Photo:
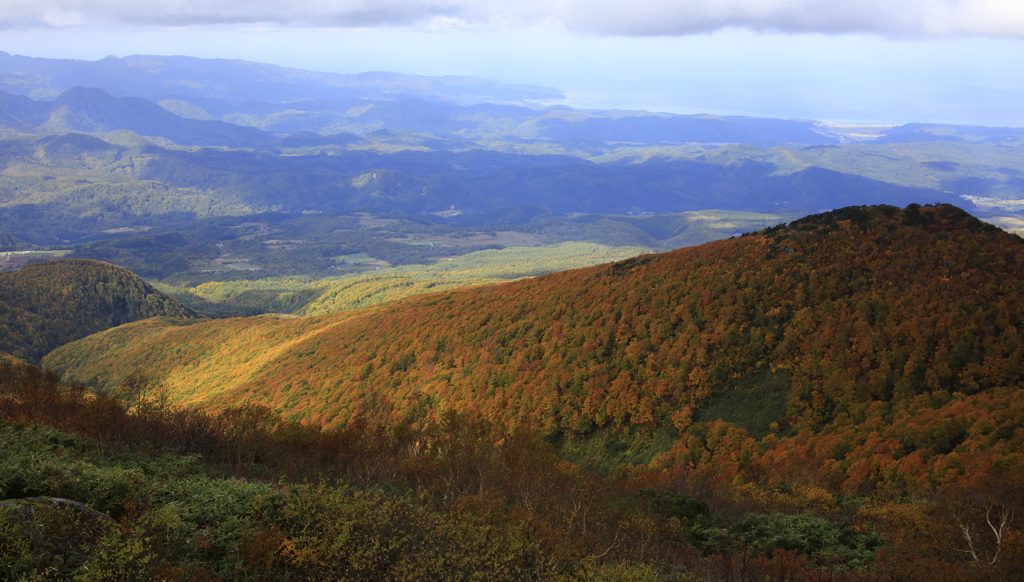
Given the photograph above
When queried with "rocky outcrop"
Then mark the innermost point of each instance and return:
(57, 532)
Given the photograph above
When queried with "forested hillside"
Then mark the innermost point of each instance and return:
(45, 305)
(833, 399)
(406, 383)
(806, 324)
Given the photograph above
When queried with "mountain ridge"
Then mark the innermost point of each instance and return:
(442, 164)
(843, 307)
(93, 110)
(68, 186)
(162, 77)
(229, 85)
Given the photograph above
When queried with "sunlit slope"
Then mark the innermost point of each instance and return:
(820, 317)
(319, 296)
(196, 363)
(476, 268)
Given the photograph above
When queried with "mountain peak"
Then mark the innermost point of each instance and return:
(932, 217)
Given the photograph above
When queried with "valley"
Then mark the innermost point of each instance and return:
(392, 327)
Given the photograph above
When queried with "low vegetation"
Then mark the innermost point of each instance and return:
(244, 494)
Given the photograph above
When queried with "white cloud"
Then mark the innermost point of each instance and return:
(886, 17)
(980, 17)
(906, 18)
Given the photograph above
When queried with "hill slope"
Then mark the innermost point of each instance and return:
(95, 110)
(815, 319)
(44, 305)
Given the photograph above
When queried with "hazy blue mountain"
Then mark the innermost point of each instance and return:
(20, 112)
(90, 149)
(74, 186)
(217, 122)
(283, 100)
(656, 186)
(169, 77)
(82, 109)
(924, 132)
(666, 128)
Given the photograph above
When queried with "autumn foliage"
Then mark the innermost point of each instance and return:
(860, 367)
(841, 310)
(479, 502)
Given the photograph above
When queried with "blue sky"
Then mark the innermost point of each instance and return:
(894, 61)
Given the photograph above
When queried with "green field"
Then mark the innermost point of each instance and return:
(15, 259)
(315, 296)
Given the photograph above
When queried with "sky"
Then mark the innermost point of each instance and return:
(843, 61)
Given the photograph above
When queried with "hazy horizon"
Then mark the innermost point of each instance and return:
(841, 61)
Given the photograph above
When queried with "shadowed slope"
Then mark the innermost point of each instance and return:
(44, 305)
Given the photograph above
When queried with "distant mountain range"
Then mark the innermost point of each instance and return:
(178, 77)
(205, 121)
(90, 110)
(280, 99)
(68, 186)
(88, 148)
